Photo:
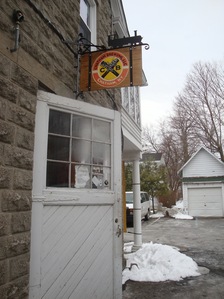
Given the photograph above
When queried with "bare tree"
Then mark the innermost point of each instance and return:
(166, 141)
(202, 99)
(150, 139)
(183, 126)
(198, 118)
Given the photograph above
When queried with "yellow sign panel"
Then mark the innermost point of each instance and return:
(111, 69)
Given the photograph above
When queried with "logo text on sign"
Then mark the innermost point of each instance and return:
(110, 68)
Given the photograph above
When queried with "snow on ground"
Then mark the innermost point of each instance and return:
(180, 215)
(179, 204)
(157, 215)
(156, 262)
(177, 212)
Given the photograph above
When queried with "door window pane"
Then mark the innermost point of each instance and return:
(57, 174)
(100, 177)
(81, 127)
(81, 151)
(81, 174)
(101, 154)
(58, 148)
(101, 131)
(107, 177)
(59, 122)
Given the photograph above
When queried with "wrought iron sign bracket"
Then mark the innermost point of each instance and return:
(131, 41)
(84, 46)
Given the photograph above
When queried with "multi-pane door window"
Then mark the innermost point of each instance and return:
(79, 151)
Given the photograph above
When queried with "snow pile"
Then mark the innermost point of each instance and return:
(178, 212)
(180, 215)
(156, 262)
(179, 204)
(159, 214)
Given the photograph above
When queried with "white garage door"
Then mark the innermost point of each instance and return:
(205, 202)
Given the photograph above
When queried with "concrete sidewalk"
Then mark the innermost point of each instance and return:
(203, 240)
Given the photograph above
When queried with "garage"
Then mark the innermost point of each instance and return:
(205, 201)
(203, 184)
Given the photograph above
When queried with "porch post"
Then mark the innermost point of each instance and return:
(137, 206)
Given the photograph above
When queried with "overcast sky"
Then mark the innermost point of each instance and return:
(180, 33)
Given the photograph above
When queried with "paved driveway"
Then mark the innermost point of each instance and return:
(203, 240)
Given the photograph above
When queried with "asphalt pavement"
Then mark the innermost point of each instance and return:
(202, 239)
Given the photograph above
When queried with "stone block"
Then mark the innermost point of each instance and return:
(7, 132)
(57, 70)
(6, 7)
(24, 139)
(17, 289)
(50, 50)
(3, 248)
(5, 22)
(32, 20)
(5, 66)
(31, 48)
(24, 79)
(3, 272)
(5, 223)
(3, 108)
(22, 179)
(19, 266)
(18, 244)
(15, 200)
(8, 90)
(27, 101)
(21, 117)
(2, 147)
(21, 222)
(5, 177)
(46, 31)
(17, 157)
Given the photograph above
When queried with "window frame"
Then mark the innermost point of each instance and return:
(92, 20)
(51, 195)
(72, 165)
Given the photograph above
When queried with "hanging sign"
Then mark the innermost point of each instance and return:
(115, 68)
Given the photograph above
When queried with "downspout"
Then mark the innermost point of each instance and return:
(16, 38)
(17, 17)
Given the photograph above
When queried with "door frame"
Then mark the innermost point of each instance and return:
(45, 101)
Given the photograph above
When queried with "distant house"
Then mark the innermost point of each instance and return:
(203, 184)
(154, 157)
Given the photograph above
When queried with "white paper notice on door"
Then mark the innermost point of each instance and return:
(82, 176)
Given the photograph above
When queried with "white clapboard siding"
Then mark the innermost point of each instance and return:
(203, 164)
(77, 252)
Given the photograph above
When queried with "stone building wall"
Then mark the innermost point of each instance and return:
(42, 61)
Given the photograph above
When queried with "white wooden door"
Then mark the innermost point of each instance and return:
(76, 246)
(205, 201)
